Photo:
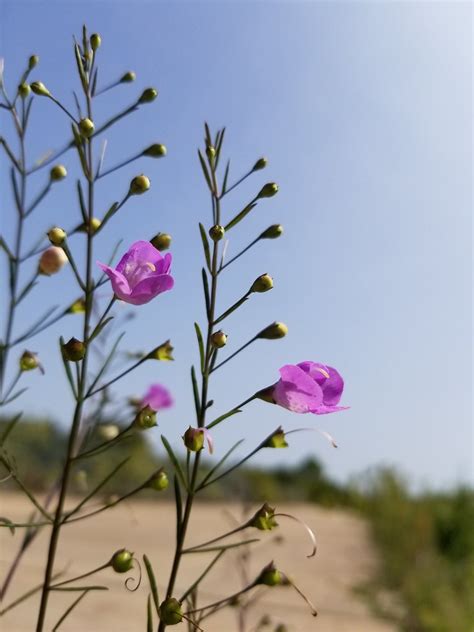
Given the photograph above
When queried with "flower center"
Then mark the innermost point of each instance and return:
(137, 271)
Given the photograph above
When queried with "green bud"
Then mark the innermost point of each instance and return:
(86, 127)
(211, 152)
(33, 61)
(128, 77)
(194, 439)
(145, 418)
(266, 395)
(155, 151)
(264, 519)
(273, 331)
(122, 561)
(74, 350)
(171, 612)
(158, 481)
(90, 227)
(270, 576)
(219, 339)
(56, 236)
(263, 283)
(277, 439)
(78, 307)
(95, 41)
(58, 172)
(268, 190)
(163, 352)
(216, 232)
(29, 361)
(148, 95)
(40, 89)
(161, 241)
(24, 90)
(260, 164)
(139, 184)
(273, 232)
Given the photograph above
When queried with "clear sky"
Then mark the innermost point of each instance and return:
(365, 113)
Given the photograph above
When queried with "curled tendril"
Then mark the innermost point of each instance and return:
(325, 434)
(308, 530)
(138, 579)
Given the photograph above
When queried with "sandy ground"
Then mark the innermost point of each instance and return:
(345, 558)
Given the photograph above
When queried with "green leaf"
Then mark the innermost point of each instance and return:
(232, 412)
(201, 346)
(205, 171)
(112, 210)
(152, 580)
(149, 616)
(219, 141)
(231, 309)
(207, 296)
(99, 328)
(82, 202)
(205, 245)
(240, 216)
(174, 460)
(226, 176)
(179, 505)
(9, 428)
(220, 463)
(80, 67)
(197, 402)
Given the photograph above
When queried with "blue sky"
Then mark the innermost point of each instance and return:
(365, 113)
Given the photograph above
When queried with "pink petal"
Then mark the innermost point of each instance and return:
(158, 397)
(150, 287)
(140, 252)
(119, 283)
(296, 391)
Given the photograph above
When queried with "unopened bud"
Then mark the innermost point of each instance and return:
(163, 352)
(145, 418)
(57, 236)
(52, 260)
(108, 431)
(276, 440)
(266, 395)
(40, 89)
(268, 190)
(263, 283)
(29, 361)
(86, 127)
(94, 225)
(264, 519)
(171, 612)
(158, 481)
(155, 151)
(219, 339)
(139, 184)
(161, 241)
(128, 77)
(260, 164)
(24, 90)
(211, 152)
(148, 95)
(273, 331)
(95, 41)
(58, 172)
(33, 61)
(122, 561)
(74, 350)
(273, 232)
(194, 439)
(216, 232)
(270, 576)
(78, 307)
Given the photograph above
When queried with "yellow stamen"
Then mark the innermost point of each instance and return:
(325, 373)
(150, 265)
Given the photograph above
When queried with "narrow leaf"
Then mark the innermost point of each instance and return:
(201, 346)
(221, 462)
(226, 176)
(149, 616)
(174, 460)
(197, 402)
(100, 327)
(205, 245)
(205, 171)
(9, 428)
(82, 203)
(152, 580)
(179, 505)
(222, 417)
(240, 216)
(231, 309)
(207, 296)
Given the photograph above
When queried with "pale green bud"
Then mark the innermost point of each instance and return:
(56, 236)
(128, 77)
(260, 164)
(272, 232)
(74, 350)
(86, 127)
(161, 241)
(216, 233)
(157, 150)
(139, 184)
(148, 95)
(33, 61)
(171, 612)
(263, 283)
(273, 331)
(58, 172)
(40, 89)
(219, 339)
(158, 481)
(122, 561)
(24, 90)
(146, 418)
(95, 41)
(268, 190)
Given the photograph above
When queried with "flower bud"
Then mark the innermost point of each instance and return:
(57, 236)
(158, 481)
(86, 127)
(145, 418)
(128, 77)
(216, 232)
(161, 241)
(264, 519)
(260, 164)
(108, 431)
(277, 439)
(24, 90)
(122, 561)
(29, 361)
(40, 89)
(155, 151)
(273, 232)
(171, 612)
(90, 227)
(273, 331)
(52, 260)
(270, 576)
(210, 152)
(268, 190)
(74, 350)
(95, 41)
(194, 439)
(139, 184)
(148, 95)
(58, 172)
(33, 61)
(266, 395)
(163, 352)
(219, 339)
(78, 307)
(263, 283)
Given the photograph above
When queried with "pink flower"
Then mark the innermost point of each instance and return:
(309, 387)
(157, 397)
(141, 274)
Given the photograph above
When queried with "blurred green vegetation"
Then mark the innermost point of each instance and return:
(426, 540)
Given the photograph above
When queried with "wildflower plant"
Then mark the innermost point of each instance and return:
(142, 273)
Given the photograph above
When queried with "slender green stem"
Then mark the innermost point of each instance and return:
(91, 392)
(74, 579)
(102, 174)
(218, 366)
(251, 244)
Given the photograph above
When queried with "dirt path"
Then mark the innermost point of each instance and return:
(344, 559)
